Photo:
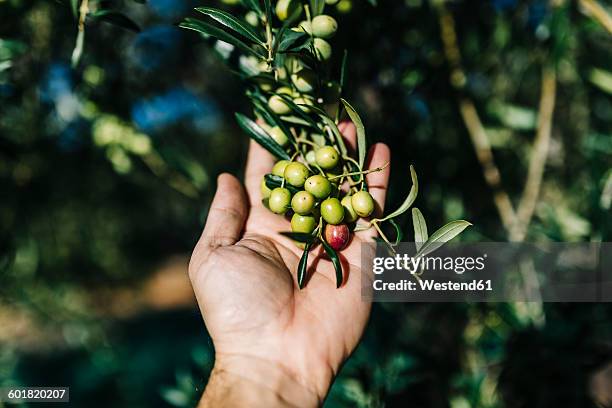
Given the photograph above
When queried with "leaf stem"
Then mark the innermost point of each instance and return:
(355, 173)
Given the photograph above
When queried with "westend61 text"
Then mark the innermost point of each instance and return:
(431, 285)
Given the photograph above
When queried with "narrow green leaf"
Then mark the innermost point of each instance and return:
(335, 261)
(252, 5)
(268, 9)
(343, 68)
(296, 121)
(361, 136)
(414, 191)
(420, 228)
(273, 181)
(261, 137)
(301, 274)
(233, 23)
(293, 41)
(115, 18)
(205, 28)
(299, 111)
(443, 235)
(299, 237)
(317, 7)
(336, 132)
(399, 234)
(272, 118)
(74, 5)
(286, 30)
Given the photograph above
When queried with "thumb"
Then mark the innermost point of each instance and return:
(227, 214)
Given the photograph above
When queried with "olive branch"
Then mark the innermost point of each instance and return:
(297, 103)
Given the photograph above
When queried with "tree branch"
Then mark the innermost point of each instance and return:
(595, 10)
(516, 222)
(539, 154)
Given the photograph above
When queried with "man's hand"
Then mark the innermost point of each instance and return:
(275, 345)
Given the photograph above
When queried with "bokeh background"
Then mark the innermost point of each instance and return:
(108, 162)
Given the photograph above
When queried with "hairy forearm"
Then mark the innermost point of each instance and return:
(240, 381)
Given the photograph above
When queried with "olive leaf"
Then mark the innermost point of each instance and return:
(316, 7)
(409, 200)
(420, 228)
(285, 30)
(252, 5)
(299, 111)
(300, 237)
(441, 236)
(343, 70)
(339, 139)
(115, 18)
(294, 41)
(268, 9)
(301, 274)
(335, 261)
(274, 181)
(399, 234)
(232, 23)
(261, 137)
(272, 118)
(205, 28)
(361, 136)
(296, 121)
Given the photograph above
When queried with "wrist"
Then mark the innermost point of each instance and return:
(238, 380)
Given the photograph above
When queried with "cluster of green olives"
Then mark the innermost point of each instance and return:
(318, 198)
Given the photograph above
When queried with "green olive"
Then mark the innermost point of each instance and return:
(318, 186)
(323, 50)
(285, 90)
(286, 8)
(327, 157)
(331, 2)
(349, 213)
(282, 73)
(344, 6)
(252, 19)
(296, 174)
(279, 200)
(305, 80)
(310, 157)
(303, 223)
(300, 101)
(324, 26)
(362, 203)
(278, 105)
(332, 211)
(279, 136)
(305, 26)
(302, 202)
(265, 191)
(279, 168)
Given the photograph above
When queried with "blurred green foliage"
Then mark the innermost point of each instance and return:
(107, 168)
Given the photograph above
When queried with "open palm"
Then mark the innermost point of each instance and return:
(244, 276)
